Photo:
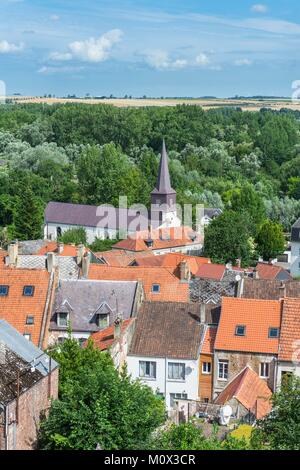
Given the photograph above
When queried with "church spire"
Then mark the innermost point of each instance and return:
(163, 185)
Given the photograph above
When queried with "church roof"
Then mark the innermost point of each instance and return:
(163, 185)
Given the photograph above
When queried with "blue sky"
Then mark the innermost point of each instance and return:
(153, 48)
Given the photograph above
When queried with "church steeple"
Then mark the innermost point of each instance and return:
(163, 197)
(163, 185)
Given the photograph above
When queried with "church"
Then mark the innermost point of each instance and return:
(107, 222)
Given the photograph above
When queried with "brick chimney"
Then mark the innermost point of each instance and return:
(85, 265)
(185, 273)
(118, 326)
(255, 274)
(13, 251)
(50, 262)
(80, 253)
(202, 313)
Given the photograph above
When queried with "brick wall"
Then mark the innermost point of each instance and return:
(32, 403)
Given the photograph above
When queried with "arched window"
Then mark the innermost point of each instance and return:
(58, 232)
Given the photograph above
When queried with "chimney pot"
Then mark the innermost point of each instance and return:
(50, 262)
(13, 250)
(202, 313)
(60, 248)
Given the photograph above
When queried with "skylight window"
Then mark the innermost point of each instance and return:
(273, 332)
(28, 291)
(156, 288)
(240, 330)
(4, 291)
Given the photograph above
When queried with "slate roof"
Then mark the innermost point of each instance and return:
(210, 291)
(211, 213)
(86, 216)
(250, 390)
(290, 331)
(258, 316)
(68, 268)
(83, 299)
(270, 289)
(167, 329)
(171, 288)
(17, 355)
(15, 307)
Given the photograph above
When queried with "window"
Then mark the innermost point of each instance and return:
(27, 336)
(264, 370)
(148, 369)
(176, 371)
(177, 396)
(103, 320)
(30, 320)
(62, 319)
(58, 232)
(28, 291)
(273, 332)
(206, 400)
(223, 370)
(61, 339)
(156, 288)
(240, 330)
(206, 367)
(4, 291)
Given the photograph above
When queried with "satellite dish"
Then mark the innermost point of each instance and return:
(238, 278)
(225, 415)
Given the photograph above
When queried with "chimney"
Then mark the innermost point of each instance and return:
(238, 263)
(282, 290)
(202, 313)
(85, 265)
(50, 262)
(185, 274)
(118, 326)
(240, 286)
(255, 274)
(2, 353)
(13, 250)
(60, 248)
(80, 253)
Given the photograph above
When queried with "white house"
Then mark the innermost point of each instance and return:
(165, 349)
(295, 249)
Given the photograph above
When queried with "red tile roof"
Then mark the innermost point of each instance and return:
(211, 271)
(173, 260)
(257, 316)
(209, 340)
(162, 239)
(289, 345)
(15, 307)
(269, 271)
(3, 255)
(250, 390)
(171, 288)
(104, 339)
(52, 247)
(123, 258)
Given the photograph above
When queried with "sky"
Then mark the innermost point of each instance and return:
(155, 48)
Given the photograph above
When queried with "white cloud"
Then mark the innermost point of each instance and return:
(60, 56)
(160, 60)
(54, 17)
(7, 47)
(45, 70)
(241, 62)
(202, 60)
(259, 8)
(90, 50)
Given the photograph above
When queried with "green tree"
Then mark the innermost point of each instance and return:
(249, 201)
(74, 235)
(228, 238)
(28, 216)
(270, 240)
(280, 430)
(98, 405)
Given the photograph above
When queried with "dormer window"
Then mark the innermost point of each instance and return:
(62, 319)
(102, 320)
(273, 332)
(28, 291)
(240, 330)
(155, 288)
(4, 291)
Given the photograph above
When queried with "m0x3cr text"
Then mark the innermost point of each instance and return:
(172, 459)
